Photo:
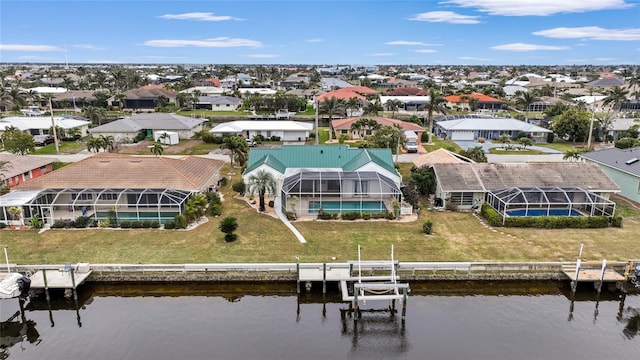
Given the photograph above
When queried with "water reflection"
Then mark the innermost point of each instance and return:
(17, 329)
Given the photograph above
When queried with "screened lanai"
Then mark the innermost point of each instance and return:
(106, 204)
(554, 201)
(306, 192)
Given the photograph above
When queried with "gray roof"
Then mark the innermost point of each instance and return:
(493, 176)
(153, 121)
(623, 124)
(19, 164)
(607, 81)
(498, 124)
(218, 100)
(617, 159)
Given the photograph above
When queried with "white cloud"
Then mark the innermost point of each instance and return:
(604, 59)
(445, 17)
(381, 54)
(263, 56)
(538, 7)
(199, 16)
(474, 58)
(410, 43)
(34, 58)
(527, 47)
(22, 47)
(87, 47)
(591, 32)
(220, 42)
(425, 51)
(314, 40)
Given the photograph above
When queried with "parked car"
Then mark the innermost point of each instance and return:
(42, 140)
(411, 146)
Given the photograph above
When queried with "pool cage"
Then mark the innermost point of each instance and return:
(549, 201)
(107, 204)
(307, 192)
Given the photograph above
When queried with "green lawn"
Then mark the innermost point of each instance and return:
(438, 143)
(64, 146)
(562, 146)
(515, 151)
(324, 135)
(262, 238)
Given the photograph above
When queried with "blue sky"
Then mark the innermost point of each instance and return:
(431, 32)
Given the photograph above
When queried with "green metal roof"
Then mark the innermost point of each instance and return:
(319, 156)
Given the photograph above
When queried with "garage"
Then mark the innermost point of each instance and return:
(463, 135)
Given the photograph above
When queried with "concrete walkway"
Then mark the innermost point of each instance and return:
(277, 205)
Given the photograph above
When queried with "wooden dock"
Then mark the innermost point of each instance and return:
(326, 272)
(591, 274)
(63, 278)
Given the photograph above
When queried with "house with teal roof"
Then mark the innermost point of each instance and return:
(325, 178)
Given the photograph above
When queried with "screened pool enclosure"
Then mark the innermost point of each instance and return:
(307, 192)
(554, 201)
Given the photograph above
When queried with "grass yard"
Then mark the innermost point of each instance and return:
(262, 238)
(66, 147)
(514, 151)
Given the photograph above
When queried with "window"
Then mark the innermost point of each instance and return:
(344, 131)
(462, 198)
(43, 169)
(27, 175)
(82, 196)
(109, 196)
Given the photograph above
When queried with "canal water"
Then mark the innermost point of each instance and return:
(474, 320)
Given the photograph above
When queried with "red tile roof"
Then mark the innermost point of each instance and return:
(407, 91)
(346, 123)
(348, 93)
(456, 99)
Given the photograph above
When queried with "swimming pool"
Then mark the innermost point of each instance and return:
(543, 212)
(347, 206)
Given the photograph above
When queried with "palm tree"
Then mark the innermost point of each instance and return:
(572, 155)
(95, 114)
(6, 102)
(107, 142)
(18, 98)
(372, 108)
(616, 97)
(393, 105)
(634, 81)
(332, 106)
(236, 144)
(351, 104)
(525, 100)
(436, 104)
(94, 144)
(261, 183)
(157, 149)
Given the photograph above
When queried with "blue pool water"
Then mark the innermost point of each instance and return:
(347, 206)
(543, 212)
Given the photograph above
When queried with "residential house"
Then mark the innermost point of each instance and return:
(482, 102)
(41, 125)
(283, 129)
(317, 178)
(114, 187)
(147, 97)
(218, 103)
(127, 129)
(620, 125)
(345, 127)
(439, 156)
(622, 165)
(471, 128)
(16, 169)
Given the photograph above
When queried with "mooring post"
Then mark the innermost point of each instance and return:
(324, 278)
(355, 304)
(604, 267)
(46, 285)
(574, 283)
(298, 275)
(73, 285)
(404, 303)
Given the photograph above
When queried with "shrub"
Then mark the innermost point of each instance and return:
(427, 227)
(616, 221)
(625, 143)
(224, 181)
(258, 138)
(147, 224)
(215, 209)
(451, 206)
(3, 225)
(231, 237)
(275, 138)
(213, 198)
(291, 215)
(550, 137)
(154, 224)
(125, 224)
(390, 215)
(239, 186)
(82, 221)
(181, 221)
(170, 225)
(350, 215)
(491, 215)
(271, 203)
(366, 215)
(136, 224)
(60, 224)
(104, 223)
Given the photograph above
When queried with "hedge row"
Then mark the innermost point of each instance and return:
(548, 222)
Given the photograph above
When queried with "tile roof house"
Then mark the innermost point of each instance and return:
(347, 93)
(485, 102)
(218, 103)
(284, 129)
(16, 169)
(128, 128)
(36, 125)
(471, 128)
(146, 97)
(135, 187)
(464, 184)
(622, 165)
(343, 126)
(339, 177)
(440, 156)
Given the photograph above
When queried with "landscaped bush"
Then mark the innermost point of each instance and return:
(215, 209)
(224, 181)
(230, 237)
(169, 225)
(491, 215)
(451, 206)
(147, 224)
(181, 221)
(291, 215)
(616, 221)
(3, 225)
(275, 138)
(557, 222)
(271, 203)
(323, 215)
(136, 224)
(60, 224)
(625, 143)
(125, 224)
(427, 227)
(239, 186)
(366, 215)
(350, 215)
(82, 221)
(390, 215)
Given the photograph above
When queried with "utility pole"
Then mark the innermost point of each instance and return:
(53, 126)
(593, 110)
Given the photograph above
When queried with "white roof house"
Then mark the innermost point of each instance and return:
(489, 128)
(205, 90)
(285, 130)
(42, 124)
